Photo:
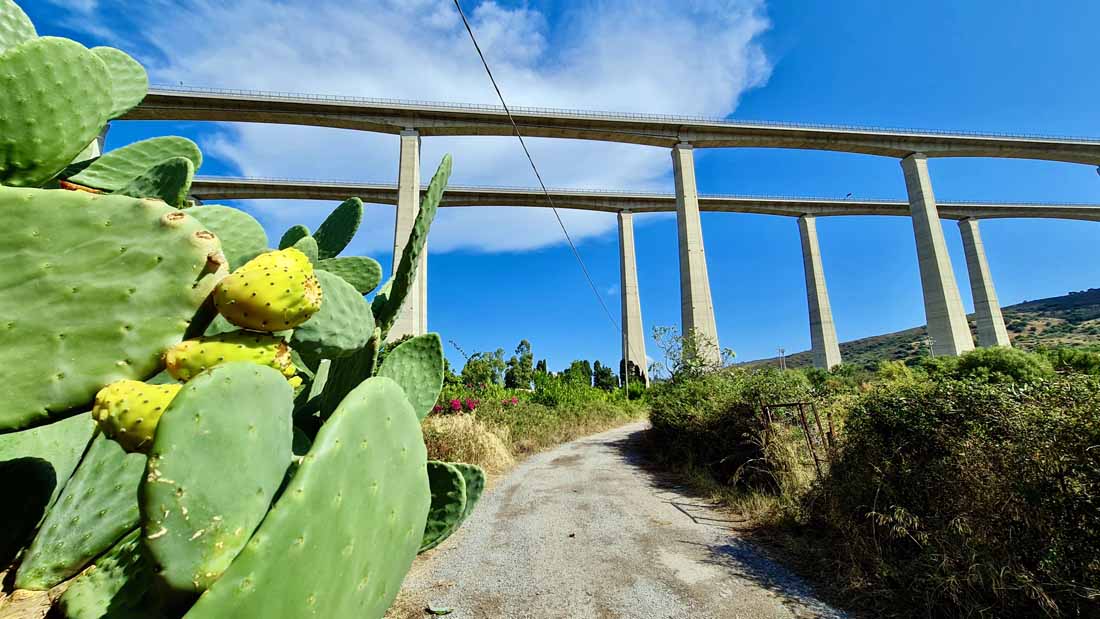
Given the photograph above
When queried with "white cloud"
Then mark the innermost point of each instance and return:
(81, 6)
(665, 56)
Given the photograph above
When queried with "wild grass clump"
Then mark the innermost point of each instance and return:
(465, 438)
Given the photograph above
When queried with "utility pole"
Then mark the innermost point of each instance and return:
(929, 342)
(782, 358)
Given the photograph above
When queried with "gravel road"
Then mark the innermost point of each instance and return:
(586, 531)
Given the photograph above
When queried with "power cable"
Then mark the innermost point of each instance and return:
(545, 191)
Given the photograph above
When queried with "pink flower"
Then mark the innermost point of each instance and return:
(515, 400)
(471, 404)
(456, 405)
(437, 409)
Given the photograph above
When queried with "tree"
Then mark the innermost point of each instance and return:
(580, 371)
(603, 377)
(635, 371)
(520, 370)
(540, 367)
(483, 368)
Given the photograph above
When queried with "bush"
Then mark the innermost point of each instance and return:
(715, 421)
(1001, 364)
(965, 498)
(1074, 360)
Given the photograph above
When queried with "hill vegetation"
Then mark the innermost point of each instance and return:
(1068, 320)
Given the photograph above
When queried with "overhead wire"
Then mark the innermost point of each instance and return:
(545, 191)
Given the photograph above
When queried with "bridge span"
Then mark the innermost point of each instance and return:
(824, 341)
(947, 324)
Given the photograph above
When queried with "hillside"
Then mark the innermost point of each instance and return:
(1069, 320)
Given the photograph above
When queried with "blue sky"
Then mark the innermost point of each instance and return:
(499, 275)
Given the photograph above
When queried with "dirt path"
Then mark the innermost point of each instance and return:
(585, 531)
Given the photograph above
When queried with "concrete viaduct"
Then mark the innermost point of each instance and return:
(944, 312)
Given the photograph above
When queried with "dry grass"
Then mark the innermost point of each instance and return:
(465, 438)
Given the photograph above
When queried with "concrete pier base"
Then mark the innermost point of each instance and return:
(991, 325)
(633, 330)
(943, 306)
(823, 340)
(696, 307)
(413, 317)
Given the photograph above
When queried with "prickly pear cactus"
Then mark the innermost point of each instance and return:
(340, 539)
(98, 505)
(15, 26)
(340, 328)
(387, 303)
(185, 360)
(417, 365)
(55, 96)
(100, 288)
(339, 228)
(242, 237)
(35, 466)
(293, 235)
(128, 411)
(168, 181)
(115, 588)
(117, 168)
(474, 477)
(272, 292)
(129, 82)
(361, 272)
(448, 503)
(212, 472)
(308, 246)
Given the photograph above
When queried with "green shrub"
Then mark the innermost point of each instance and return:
(715, 421)
(1074, 360)
(970, 498)
(1001, 364)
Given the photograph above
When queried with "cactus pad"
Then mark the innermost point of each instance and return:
(114, 588)
(99, 505)
(272, 292)
(15, 26)
(128, 411)
(100, 288)
(116, 168)
(186, 359)
(219, 456)
(308, 246)
(129, 81)
(55, 96)
(37, 463)
(341, 327)
(168, 181)
(242, 237)
(340, 539)
(339, 228)
(359, 271)
(417, 365)
(448, 503)
(475, 485)
(293, 235)
(388, 305)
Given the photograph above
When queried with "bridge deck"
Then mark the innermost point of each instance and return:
(226, 188)
(431, 119)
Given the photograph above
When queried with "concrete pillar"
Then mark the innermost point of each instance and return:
(943, 308)
(991, 325)
(696, 307)
(823, 341)
(633, 331)
(413, 317)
